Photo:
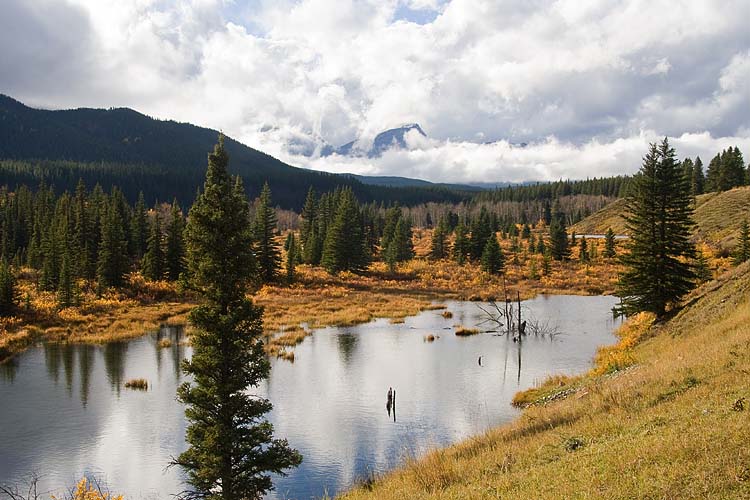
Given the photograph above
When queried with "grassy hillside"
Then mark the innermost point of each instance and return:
(717, 216)
(674, 424)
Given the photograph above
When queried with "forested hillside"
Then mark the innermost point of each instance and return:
(164, 159)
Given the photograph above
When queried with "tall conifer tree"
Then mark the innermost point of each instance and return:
(175, 245)
(232, 450)
(659, 219)
(267, 249)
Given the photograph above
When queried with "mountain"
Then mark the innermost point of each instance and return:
(163, 158)
(389, 139)
(394, 181)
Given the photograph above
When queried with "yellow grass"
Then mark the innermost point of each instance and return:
(137, 383)
(462, 331)
(674, 425)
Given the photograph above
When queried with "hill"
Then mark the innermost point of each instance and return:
(673, 424)
(123, 147)
(717, 216)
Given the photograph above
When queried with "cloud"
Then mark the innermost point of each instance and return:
(585, 83)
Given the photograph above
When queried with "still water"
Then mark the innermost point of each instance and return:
(65, 413)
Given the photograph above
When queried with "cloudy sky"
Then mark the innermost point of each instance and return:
(587, 84)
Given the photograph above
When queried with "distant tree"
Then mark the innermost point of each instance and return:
(401, 242)
(8, 290)
(139, 228)
(698, 179)
(267, 250)
(546, 262)
(439, 243)
(392, 216)
(291, 257)
(558, 238)
(659, 219)
(154, 260)
(67, 294)
(345, 246)
(609, 243)
(481, 231)
(461, 246)
(493, 260)
(742, 251)
(231, 451)
(174, 257)
(112, 262)
(702, 269)
(583, 250)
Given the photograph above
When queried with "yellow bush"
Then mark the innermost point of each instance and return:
(612, 358)
(86, 491)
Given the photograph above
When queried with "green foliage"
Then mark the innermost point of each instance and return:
(267, 250)
(481, 232)
(292, 251)
(8, 290)
(697, 179)
(742, 250)
(154, 261)
(726, 170)
(461, 245)
(492, 260)
(345, 246)
(232, 450)
(439, 247)
(139, 228)
(112, 262)
(558, 238)
(583, 250)
(659, 219)
(175, 245)
(67, 293)
(702, 269)
(609, 244)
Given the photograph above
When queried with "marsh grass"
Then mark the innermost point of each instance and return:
(140, 384)
(462, 331)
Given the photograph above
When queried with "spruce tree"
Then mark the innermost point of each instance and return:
(345, 247)
(461, 245)
(583, 250)
(742, 250)
(659, 219)
(8, 290)
(112, 262)
(175, 243)
(267, 250)
(139, 228)
(66, 291)
(558, 238)
(609, 243)
(232, 450)
(154, 260)
(698, 179)
(439, 242)
(493, 260)
(307, 225)
(481, 231)
(291, 257)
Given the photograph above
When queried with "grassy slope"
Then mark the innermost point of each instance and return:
(664, 428)
(717, 216)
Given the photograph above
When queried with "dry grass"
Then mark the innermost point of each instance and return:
(430, 338)
(462, 331)
(140, 384)
(674, 425)
(165, 343)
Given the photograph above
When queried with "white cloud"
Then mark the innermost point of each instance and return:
(586, 83)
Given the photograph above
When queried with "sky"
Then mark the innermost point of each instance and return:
(585, 84)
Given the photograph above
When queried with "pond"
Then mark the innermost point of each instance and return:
(66, 413)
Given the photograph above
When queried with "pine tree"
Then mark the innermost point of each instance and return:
(659, 220)
(481, 231)
(439, 243)
(139, 228)
(291, 257)
(583, 250)
(698, 179)
(66, 291)
(742, 251)
(558, 238)
(232, 450)
(703, 271)
(493, 260)
(461, 244)
(609, 243)
(307, 226)
(267, 250)
(175, 243)
(112, 262)
(154, 260)
(345, 247)
(8, 290)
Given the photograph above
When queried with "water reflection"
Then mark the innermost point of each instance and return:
(329, 403)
